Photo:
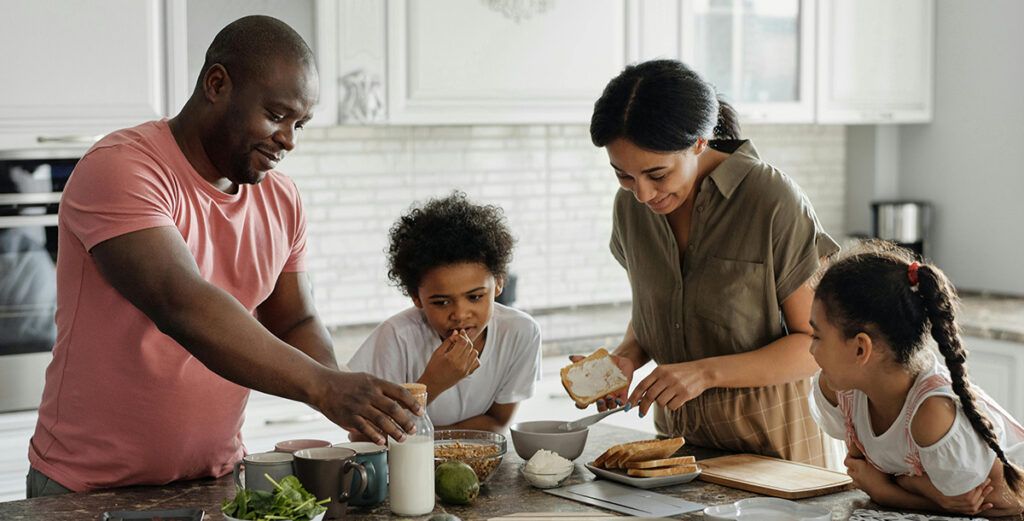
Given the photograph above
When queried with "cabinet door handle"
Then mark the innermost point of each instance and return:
(298, 418)
(70, 139)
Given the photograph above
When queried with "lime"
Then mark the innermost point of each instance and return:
(456, 483)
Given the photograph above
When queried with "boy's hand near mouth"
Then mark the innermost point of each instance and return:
(454, 360)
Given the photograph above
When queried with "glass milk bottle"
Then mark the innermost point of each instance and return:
(411, 464)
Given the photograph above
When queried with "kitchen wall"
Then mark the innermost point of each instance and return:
(968, 160)
(555, 187)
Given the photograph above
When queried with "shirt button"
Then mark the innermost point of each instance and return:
(700, 208)
(677, 325)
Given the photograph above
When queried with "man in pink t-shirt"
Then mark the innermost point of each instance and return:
(181, 285)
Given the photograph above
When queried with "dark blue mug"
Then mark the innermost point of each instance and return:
(375, 459)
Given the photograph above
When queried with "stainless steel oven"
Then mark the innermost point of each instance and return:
(30, 192)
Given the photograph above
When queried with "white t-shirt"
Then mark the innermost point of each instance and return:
(955, 464)
(398, 351)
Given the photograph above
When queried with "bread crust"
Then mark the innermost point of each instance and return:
(660, 463)
(584, 401)
(664, 471)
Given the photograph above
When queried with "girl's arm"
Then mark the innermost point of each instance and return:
(972, 502)
(991, 498)
(931, 423)
(882, 489)
(496, 419)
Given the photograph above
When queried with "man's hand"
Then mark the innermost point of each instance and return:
(669, 385)
(359, 402)
(454, 360)
(618, 399)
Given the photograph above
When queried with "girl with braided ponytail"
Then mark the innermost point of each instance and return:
(920, 435)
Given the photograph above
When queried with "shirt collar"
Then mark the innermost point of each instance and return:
(728, 175)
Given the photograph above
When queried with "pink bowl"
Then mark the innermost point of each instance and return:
(290, 446)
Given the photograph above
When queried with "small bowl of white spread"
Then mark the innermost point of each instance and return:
(547, 469)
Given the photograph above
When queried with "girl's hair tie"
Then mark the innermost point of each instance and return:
(912, 273)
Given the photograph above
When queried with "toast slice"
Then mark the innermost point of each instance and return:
(660, 463)
(593, 378)
(606, 455)
(644, 450)
(651, 450)
(666, 471)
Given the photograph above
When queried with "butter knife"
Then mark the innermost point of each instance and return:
(588, 420)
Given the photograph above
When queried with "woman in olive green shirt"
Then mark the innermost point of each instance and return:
(719, 247)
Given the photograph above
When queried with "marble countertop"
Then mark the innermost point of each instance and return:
(990, 316)
(506, 493)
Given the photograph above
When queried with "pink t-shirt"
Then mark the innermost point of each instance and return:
(125, 404)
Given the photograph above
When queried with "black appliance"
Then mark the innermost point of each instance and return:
(30, 191)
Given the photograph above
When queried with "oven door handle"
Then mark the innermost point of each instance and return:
(19, 221)
(84, 139)
(32, 198)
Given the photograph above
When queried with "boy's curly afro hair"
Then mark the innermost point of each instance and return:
(447, 231)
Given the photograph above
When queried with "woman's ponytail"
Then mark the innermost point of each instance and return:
(728, 125)
(939, 299)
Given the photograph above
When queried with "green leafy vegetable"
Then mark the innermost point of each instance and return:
(288, 502)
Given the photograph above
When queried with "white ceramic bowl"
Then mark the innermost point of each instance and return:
(529, 437)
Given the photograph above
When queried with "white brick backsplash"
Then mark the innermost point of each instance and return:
(555, 187)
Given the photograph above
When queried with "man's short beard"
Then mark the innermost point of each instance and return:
(244, 173)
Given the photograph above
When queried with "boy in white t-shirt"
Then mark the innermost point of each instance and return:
(477, 358)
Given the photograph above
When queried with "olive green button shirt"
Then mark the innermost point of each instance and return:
(754, 239)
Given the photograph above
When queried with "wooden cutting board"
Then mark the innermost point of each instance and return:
(772, 476)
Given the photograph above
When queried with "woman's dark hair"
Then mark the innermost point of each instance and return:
(662, 106)
(447, 231)
(869, 290)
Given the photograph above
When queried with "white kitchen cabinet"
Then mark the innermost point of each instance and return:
(314, 20)
(74, 70)
(875, 61)
(480, 62)
(997, 366)
(759, 54)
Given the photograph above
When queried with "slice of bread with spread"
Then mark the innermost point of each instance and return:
(593, 378)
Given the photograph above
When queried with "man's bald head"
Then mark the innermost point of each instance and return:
(247, 47)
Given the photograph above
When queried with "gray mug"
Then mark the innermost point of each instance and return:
(326, 472)
(375, 458)
(249, 471)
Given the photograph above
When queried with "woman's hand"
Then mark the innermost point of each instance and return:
(670, 386)
(454, 360)
(613, 400)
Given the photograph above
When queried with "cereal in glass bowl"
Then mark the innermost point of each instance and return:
(481, 450)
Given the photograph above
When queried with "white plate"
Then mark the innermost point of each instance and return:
(660, 481)
(767, 509)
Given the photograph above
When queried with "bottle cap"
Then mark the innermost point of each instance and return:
(418, 391)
